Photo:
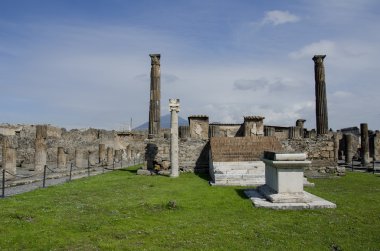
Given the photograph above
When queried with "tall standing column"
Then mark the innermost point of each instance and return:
(174, 109)
(364, 150)
(155, 96)
(320, 95)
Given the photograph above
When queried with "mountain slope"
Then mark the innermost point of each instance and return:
(165, 123)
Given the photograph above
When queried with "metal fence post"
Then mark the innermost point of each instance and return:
(71, 170)
(3, 185)
(121, 162)
(352, 164)
(113, 164)
(43, 182)
(88, 171)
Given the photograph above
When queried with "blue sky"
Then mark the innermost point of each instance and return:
(79, 64)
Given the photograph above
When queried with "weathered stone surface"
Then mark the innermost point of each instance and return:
(174, 109)
(247, 173)
(313, 202)
(110, 157)
(320, 94)
(193, 154)
(61, 158)
(102, 153)
(253, 125)
(364, 150)
(199, 127)
(81, 158)
(8, 159)
(155, 95)
(320, 150)
(40, 155)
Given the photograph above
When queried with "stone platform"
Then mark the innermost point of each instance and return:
(284, 184)
(310, 201)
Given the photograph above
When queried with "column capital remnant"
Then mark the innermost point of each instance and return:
(319, 58)
(155, 59)
(174, 104)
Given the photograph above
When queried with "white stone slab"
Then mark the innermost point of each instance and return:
(314, 202)
(290, 156)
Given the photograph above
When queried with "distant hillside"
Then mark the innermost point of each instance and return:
(165, 123)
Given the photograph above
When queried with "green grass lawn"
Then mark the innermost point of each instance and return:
(122, 211)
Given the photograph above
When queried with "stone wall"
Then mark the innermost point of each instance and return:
(242, 148)
(193, 154)
(87, 140)
(321, 151)
(226, 130)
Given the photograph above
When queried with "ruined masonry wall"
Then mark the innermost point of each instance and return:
(86, 140)
(320, 151)
(193, 154)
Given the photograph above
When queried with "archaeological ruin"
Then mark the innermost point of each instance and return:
(232, 154)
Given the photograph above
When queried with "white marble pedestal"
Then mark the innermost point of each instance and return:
(284, 184)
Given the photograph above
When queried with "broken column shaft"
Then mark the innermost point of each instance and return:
(320, 95)
(102, 153)
(364, 150)
(155, 96)
(348, 153)
(109, 156)
(40, 155)
(9, 159)
(61, 158)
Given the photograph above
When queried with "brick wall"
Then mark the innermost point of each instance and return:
(242, 148)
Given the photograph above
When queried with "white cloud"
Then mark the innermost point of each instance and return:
(342, 94)
(277, 17)
(321, 47)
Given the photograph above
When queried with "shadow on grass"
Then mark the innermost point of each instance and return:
(240, 192)
(203, 175)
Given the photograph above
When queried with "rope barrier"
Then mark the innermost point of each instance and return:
(128, 163)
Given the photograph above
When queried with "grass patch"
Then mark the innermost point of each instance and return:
(122, 211)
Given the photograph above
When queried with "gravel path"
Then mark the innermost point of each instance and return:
(53, 178)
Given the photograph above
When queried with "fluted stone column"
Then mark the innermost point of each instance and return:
(348, 153)
(102, 153)
(364, 150)
(320, 95)
(109, 156)
(155, 96)
(61, 158)
(174, 109)
(9, 159)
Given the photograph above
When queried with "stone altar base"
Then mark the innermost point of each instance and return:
(283, 187)
(310, 201)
